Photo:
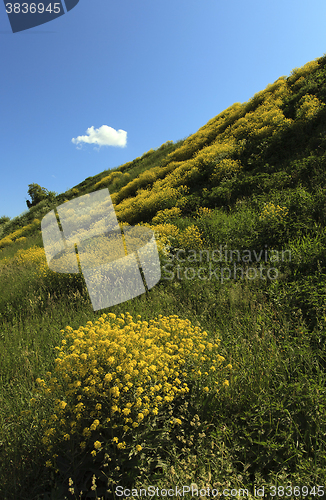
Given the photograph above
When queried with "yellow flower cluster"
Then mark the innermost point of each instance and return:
(170, 235)
(205, 134)
(21, 239)
(203, 211)
(33, 257)
(166, 215)
(309, 106)
(147, 201)
(142, 180)
(297, 73)
(109, 179)
(278, 90)
(165, 234)
(273, 212)
(183, 172)
(190, 237)
(117, 372)
(266, 119)
(10, 238)
(166, 144)
(145, 179)
(6, 241)
(225, 168)
(148, 153)
(219, 149)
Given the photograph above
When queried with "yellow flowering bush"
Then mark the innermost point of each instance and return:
(115, 375)
(144, 179)
(273, 212)
(166, 215)
(297, 73)
(170, 235)
(6, 241)
(215, 152)
(125, 166)
(33, 257)
(165, 235)
(21, 239)
(225, 168)
(147, 202)
(10, 238)
(179, 175)
(203, 211)
(105, 181)
(309, 106)
(190, 237)
(148, 153)
(205, 135)
(265, 120)
(272, 224)
(166, 144)
(299, 83)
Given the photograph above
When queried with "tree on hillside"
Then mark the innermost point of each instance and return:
(4, 219)
(38, 193)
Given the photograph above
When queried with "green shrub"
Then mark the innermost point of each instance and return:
(4, 219)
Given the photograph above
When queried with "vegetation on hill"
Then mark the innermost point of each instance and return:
(38, 193)
(216, 376)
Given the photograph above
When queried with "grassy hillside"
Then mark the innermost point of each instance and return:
(215, 376)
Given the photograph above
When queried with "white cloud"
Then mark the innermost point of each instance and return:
(103, 136)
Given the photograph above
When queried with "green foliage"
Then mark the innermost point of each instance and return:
(4, 219)
(38, 193)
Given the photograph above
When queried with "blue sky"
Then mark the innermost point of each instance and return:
(135, 73)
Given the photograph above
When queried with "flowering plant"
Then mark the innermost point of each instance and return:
(112, 378)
